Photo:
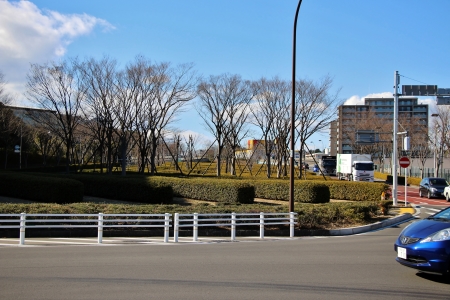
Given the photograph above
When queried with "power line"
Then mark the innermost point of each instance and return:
(413, 79)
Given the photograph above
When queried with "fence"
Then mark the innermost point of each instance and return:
(100, 221)
(233, 220)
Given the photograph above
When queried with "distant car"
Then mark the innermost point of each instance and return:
(305, 166)
(432, 187)
(316, 168)
(425, 245)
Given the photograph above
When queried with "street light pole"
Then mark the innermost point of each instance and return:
(292, 142)
(394, 142)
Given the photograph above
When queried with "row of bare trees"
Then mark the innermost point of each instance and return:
(111, 109)
(93, 108)
(229, 104)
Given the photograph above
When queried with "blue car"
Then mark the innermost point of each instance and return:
(425, 245)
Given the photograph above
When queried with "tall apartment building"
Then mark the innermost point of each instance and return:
(374, 116)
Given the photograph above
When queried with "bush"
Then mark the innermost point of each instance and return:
(356, 191)
(42, 189)
(334, 215)
(135, 189)
(304, 191)
(219, 190)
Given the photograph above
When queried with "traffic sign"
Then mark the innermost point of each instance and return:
(404, 162)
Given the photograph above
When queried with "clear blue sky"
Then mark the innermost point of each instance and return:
(359, 43)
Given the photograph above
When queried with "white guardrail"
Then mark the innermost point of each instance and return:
(23, 221)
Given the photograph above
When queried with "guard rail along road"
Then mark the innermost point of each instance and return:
(23, 221)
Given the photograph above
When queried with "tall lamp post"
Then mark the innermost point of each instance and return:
(292, 142)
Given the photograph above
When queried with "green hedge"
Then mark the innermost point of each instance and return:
(356, 191)
(320, 191)
(39, 188)
(219, 190)
(134, 189)
(304, 191)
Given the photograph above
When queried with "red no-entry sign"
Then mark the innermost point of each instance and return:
(404, 162)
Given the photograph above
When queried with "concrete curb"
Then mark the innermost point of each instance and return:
(371, 227)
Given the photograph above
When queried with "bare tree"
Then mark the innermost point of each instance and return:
(98, 78)
(55, 88)
(315, 107)
(272, 101)
(223, 106)
(175, 87)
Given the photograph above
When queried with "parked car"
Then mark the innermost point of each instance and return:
(316, 168)
(432, 187)
(447, 193)
(425, 245)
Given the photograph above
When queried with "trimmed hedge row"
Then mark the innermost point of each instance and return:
(219, 190)
(357, 191)
(158, 189)
(42, 189)
(320, 191)
(304, 191)
(133, 189)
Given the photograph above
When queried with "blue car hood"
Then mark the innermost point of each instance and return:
(423, 228)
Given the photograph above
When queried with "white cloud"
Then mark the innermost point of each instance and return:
(30, 35)
(356, 100)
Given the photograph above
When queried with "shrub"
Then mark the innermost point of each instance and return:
(219, 190)
(304, 191)
(356, 191)
(135, 189)
(332, 215)
(42, 189)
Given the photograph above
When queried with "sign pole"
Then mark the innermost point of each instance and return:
(406, 184)
(404, 163)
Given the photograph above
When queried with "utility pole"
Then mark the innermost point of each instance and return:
(394, 141)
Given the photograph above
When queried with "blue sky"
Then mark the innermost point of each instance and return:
(359, 43)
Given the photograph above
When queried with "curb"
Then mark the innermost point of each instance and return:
(371, 227)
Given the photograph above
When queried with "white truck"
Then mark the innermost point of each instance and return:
(355, 167)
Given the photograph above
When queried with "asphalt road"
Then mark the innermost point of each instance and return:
(351, 267)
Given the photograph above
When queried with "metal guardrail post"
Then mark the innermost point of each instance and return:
(23, 217)
(166, 227)
(233, 226)
(175, 229)
(261, 225)
(195, 238)
(100, 228)
(291, 224)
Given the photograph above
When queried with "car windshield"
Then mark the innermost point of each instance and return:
(438, 181)
(364, 166)
(329, 163)
(443, 215)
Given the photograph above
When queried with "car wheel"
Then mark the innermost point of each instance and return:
(429, 195)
